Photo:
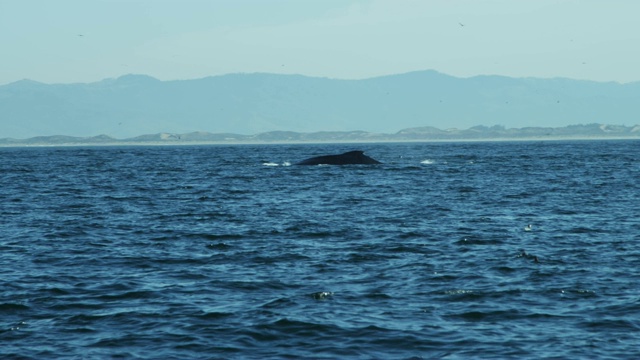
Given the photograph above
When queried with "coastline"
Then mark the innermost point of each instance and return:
(126, 143)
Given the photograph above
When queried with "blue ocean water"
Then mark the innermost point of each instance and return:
(227, 252)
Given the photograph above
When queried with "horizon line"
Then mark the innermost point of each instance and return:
(317, 77)
(496, 127)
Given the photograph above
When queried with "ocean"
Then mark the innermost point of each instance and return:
(502, 250)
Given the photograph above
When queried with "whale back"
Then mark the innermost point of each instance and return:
(356, 157)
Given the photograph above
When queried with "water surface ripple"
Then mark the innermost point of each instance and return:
(227, 252)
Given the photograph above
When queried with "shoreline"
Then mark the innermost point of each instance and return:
(124, 143)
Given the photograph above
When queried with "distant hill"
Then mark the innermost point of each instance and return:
(259, 103)
(591, 131)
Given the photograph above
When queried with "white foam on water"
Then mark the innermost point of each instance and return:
(286, 163)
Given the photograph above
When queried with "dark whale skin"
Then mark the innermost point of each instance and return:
(356, 157)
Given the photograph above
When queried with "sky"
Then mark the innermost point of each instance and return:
(71, 41)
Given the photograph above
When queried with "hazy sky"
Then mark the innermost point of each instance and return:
(65, 41)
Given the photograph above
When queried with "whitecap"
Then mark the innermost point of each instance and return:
(286, 163)
(427, 162)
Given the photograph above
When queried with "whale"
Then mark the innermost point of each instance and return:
(356, 157)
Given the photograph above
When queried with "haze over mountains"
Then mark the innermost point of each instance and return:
(134, 105)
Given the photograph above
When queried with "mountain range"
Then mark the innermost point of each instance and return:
(250, 104)
(476, 133)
